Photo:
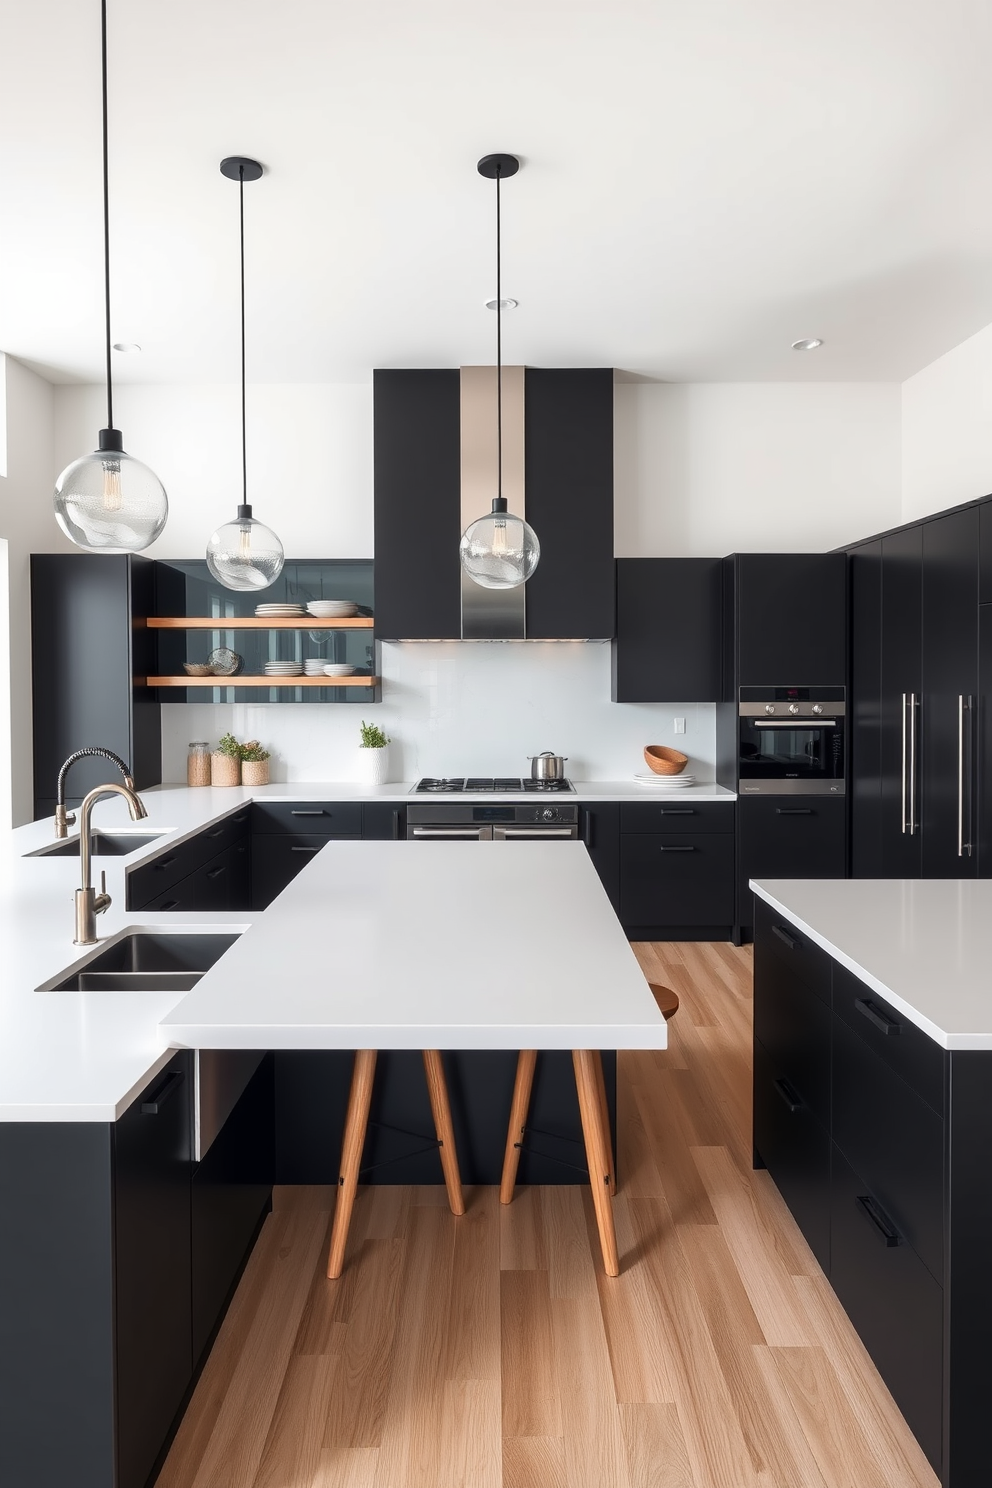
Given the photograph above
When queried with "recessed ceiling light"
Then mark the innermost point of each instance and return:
(809, 344)
(126, 346)
(503, 304)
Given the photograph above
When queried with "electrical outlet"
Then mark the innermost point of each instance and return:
(680, 725)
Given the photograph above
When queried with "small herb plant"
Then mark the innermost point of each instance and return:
(250, 752)
(373, 737)
(229, 746)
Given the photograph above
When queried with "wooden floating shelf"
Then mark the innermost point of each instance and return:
(256, 622)
(254, 680)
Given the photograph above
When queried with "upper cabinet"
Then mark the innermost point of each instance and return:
(787, 620)
(667, 646)
(421, 436)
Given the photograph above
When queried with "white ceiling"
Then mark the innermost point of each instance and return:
(704, 181)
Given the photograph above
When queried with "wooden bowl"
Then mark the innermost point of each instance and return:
(664, 761)
(197, 669)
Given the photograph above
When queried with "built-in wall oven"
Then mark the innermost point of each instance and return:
(791, 741)
(468, 821)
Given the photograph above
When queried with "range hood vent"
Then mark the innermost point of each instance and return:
(491, 614)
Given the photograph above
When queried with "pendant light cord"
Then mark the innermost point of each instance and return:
(106, 216)
(244, 424)
(499, 354)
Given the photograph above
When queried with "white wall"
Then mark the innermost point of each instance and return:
(27, 522)
(713, 468)
(947, 429)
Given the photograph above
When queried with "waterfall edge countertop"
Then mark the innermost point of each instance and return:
(925, 945)
(559, 975)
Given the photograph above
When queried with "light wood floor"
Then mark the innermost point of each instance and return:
(491, 1351)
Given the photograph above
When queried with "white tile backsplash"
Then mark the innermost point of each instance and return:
(453, 708)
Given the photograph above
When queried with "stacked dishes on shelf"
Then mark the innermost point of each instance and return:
(314, 666)
(332, 609)
(284, 669)
(338, 669)
(666, 782)
(279, 611)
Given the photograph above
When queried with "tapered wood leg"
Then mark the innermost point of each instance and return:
(355, 1126)
(437, 1089)
(522, 1086)
(604, 1121)
(584, 1063)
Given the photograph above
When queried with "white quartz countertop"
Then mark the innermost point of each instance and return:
(541, 960)
(925, 945)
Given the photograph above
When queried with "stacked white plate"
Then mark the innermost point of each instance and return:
(284, 669)
(314, 667)
(279, 611)
(666, 782)
(338, 669)
(332, 609)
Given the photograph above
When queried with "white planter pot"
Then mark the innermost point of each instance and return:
(373, 766)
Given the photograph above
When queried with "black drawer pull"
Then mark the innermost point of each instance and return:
(237, 820)
(216, 872)
(161, 863)
(868, 1010)
(308, 813)
(305, 849)
(786, 1093)
(219, 833)
(172, 904)
(880, 1222)
(676, 849)
(676, 811)
(785, 937)
(793, 811)
(587, 831)
(169, 1087)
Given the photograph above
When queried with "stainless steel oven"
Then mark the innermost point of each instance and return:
(468, 821)
(791, 741)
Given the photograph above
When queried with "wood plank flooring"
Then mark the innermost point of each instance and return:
(491, 1351)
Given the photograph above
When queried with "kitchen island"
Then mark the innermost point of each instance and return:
(95, 1146)
(873, 1114)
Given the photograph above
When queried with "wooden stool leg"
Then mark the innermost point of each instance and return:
(522, 1085)
(604, 1122)
(584, 1063)
(437, 1088)
(355, 1126)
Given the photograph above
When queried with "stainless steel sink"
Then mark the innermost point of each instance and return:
(146, 961)
(104, 845)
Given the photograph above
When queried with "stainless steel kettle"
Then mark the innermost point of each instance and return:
(547, 766)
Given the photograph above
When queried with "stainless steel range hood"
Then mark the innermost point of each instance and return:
(491, 614)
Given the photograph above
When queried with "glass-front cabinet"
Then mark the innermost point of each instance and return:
(213, 647)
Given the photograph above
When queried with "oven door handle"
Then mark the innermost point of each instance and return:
(506, 834)
(794, 723)
(481, 834)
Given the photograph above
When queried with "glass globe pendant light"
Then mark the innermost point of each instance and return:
(244, 554)
(108, 502)
(499, 550)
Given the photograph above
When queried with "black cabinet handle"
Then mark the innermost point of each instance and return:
(168, 1088)
(172, 904)
(219, 833)
(305, 849)
(161, 863)
(216, 872)
(237, 820)
(786, 1093)
(587, 830)
(676, 811)
(396, 825)
(793, 811)
(308, 813)
(785, 937)
(676, 849)
(868, 1010)
(879, 1221)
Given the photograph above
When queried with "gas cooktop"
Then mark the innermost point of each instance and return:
(497, 784)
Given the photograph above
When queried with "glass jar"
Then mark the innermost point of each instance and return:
(198, 764)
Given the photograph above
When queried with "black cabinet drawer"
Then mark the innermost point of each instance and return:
(150, 881)
(894, 1140)
(904, 1047)
(789, 837)
(779, 948)
(221, 834)
(673, 816)
(676, 880)
(277, 858)
(383, 821)
(892, 1300)
(795, 1148)
(306, 816)
(793, 1025)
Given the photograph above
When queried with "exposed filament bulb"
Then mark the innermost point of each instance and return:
(112, 498)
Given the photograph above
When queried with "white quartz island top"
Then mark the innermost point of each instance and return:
(925, 945)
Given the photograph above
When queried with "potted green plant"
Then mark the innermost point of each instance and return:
(373, 755)
(254, 763)
(225, 762)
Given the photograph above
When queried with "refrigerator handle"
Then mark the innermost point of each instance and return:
(964, 848)
(913, 823)
(905, 819)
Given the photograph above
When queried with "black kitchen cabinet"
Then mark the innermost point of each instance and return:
(950, 685)
(865, 711)
(788, 837)
(669, 630)
(287, 835)
(984, 741)
(599, 829)
(383, 821)
(985, 552)
(207, 871)
(795, 1148)
(677, 885)
(789, 619)
(90, 655)
(900, 741)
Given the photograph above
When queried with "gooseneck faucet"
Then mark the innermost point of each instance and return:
(64, 820)
(89, 903)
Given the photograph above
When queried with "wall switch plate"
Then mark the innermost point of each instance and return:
(680, 725)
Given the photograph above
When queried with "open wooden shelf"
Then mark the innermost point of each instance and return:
(253, 680)
(256, 622)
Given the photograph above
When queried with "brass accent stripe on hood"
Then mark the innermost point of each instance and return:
(491, 614)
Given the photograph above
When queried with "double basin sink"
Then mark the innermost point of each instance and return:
(146, 961)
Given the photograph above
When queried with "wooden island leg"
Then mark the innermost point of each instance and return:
(522, 1086)
(355, 1126)
(437, 1088)
(595, 1130)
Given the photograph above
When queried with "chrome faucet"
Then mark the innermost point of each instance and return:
(64, 820)
(89, 903)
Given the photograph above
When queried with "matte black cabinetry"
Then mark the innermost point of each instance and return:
(207, 871)
(788, 837)
(789, 619)
(668, 645)
(90, 653)
(288, 835)
(599, 828)
(677, 870)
